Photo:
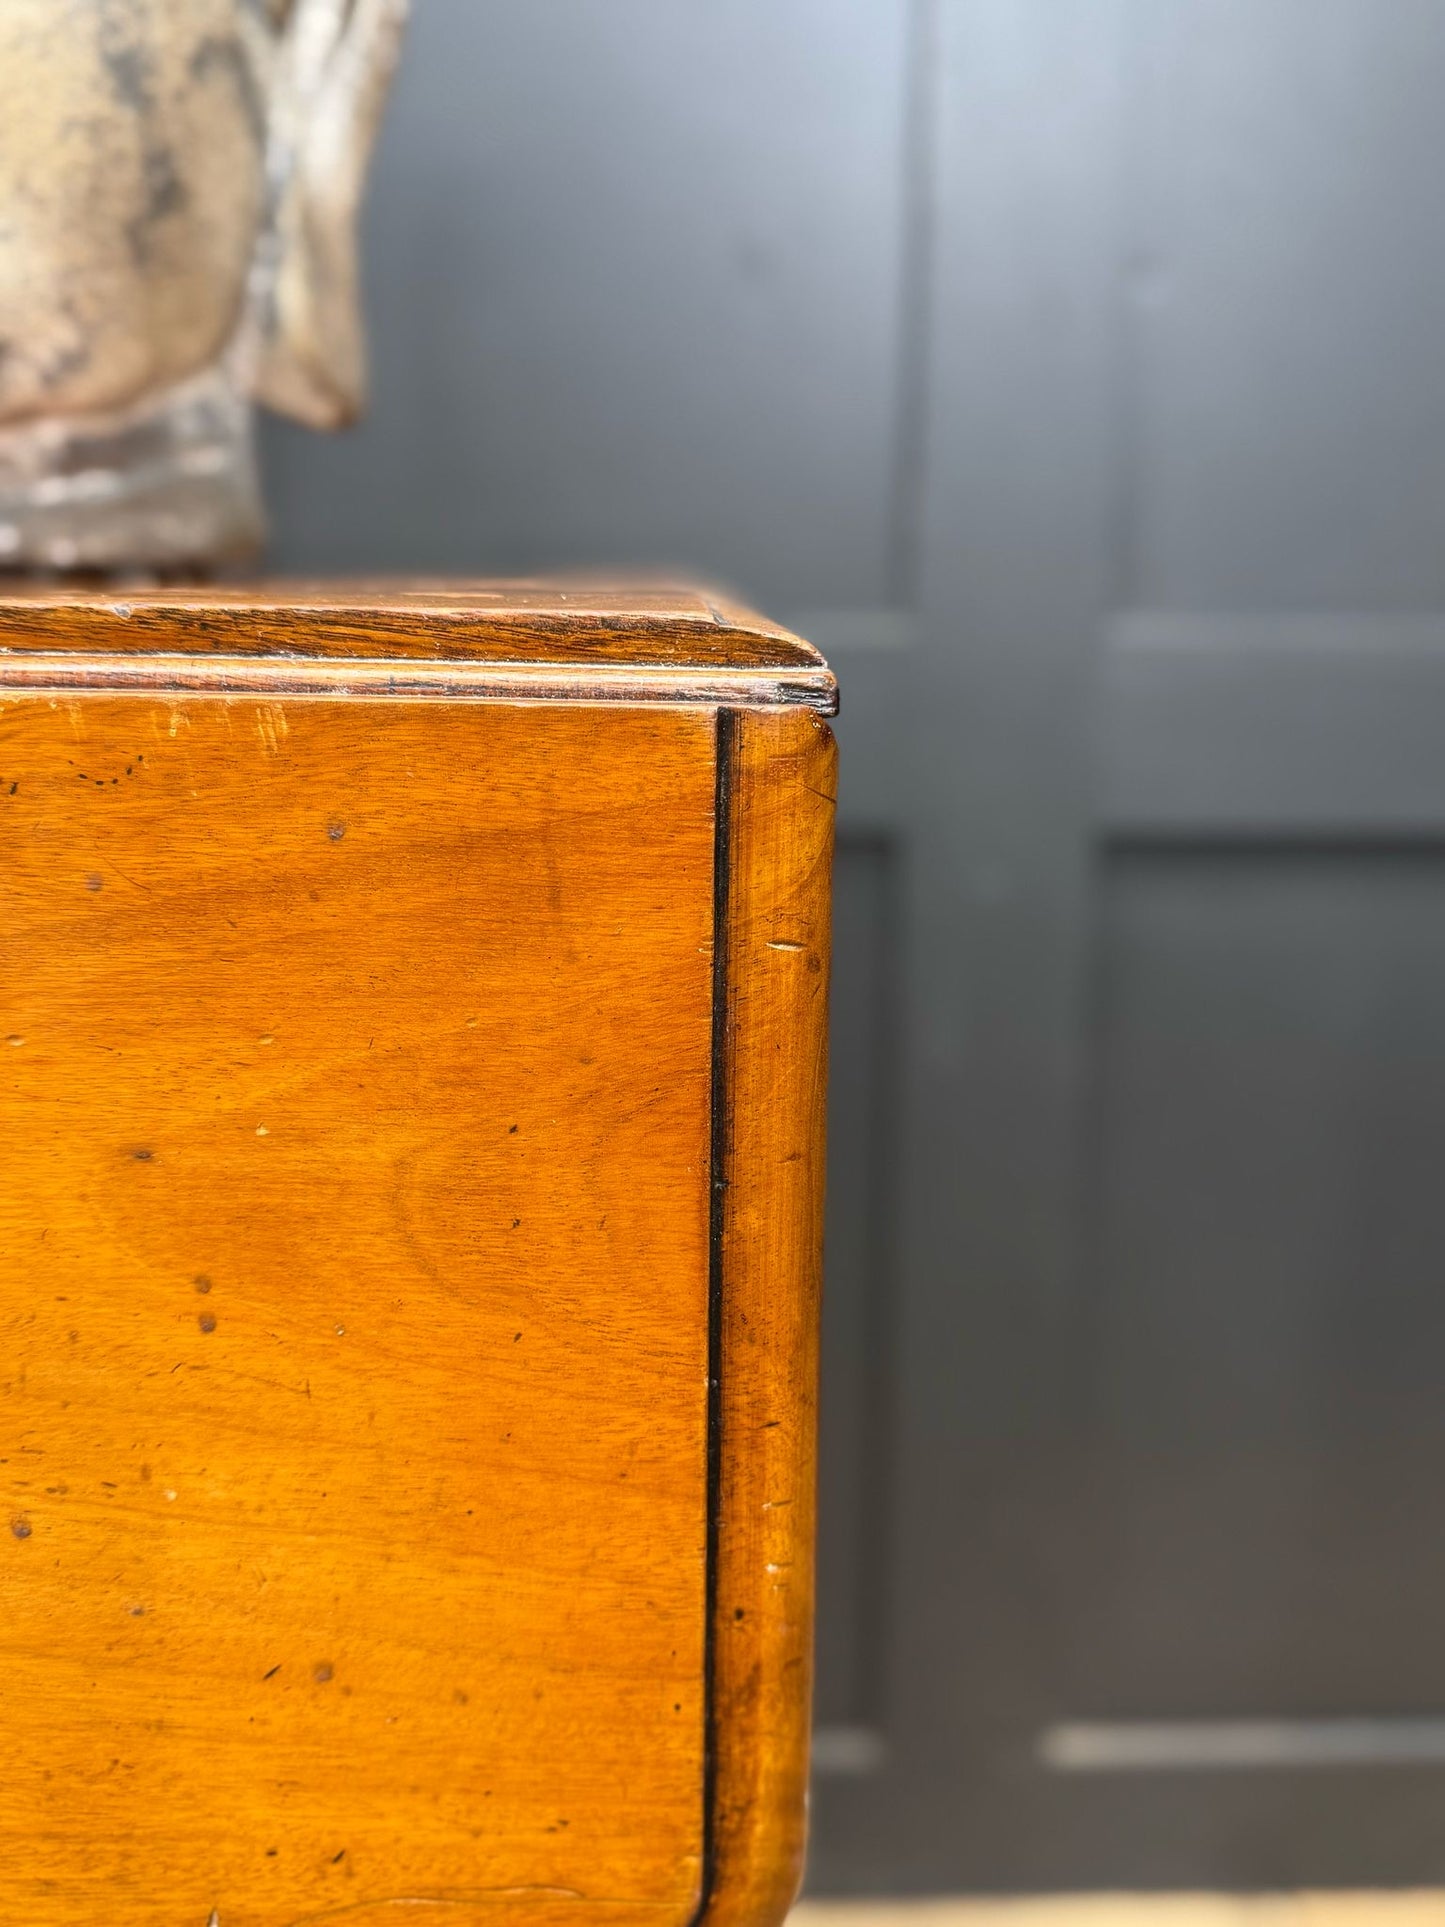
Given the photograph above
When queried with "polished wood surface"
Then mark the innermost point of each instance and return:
(782, 792)
(410, 1215)
(520, 621)
(518, 641)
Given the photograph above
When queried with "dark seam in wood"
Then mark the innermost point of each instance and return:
(725, 740)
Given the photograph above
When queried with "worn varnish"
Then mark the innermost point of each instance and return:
(413, 1113)
(576, 622)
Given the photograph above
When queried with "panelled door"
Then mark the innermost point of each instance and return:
(1073, 371)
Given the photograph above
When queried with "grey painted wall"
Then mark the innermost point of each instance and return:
(633, 285)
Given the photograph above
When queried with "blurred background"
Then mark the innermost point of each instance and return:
(1073, 372)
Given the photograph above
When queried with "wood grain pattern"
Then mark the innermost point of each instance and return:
(575, 623)
(409, 1299)
(69, 673)
(783, 797)
(359, 1092)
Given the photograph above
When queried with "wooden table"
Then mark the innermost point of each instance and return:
(414, 1056)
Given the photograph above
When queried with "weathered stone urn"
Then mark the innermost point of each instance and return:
(179, 188)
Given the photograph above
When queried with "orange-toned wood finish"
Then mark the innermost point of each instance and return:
(412, 1103)
(524, 622)
(783, 783)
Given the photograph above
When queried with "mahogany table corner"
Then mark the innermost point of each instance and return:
(414, 1059)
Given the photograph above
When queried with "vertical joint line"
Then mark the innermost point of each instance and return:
(724, 750)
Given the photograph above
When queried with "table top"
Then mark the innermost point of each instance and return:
(575, 640)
